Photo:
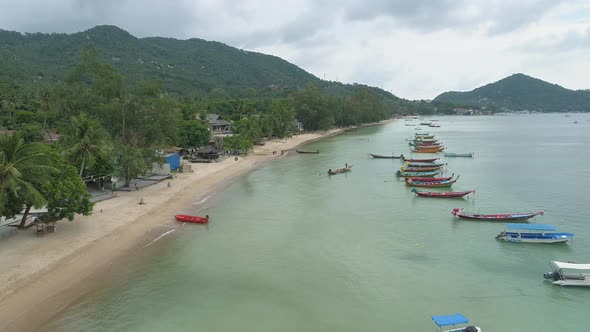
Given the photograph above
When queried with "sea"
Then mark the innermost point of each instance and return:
(290, 248)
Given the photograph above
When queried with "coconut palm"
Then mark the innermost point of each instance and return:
(83, 140)
(23, 167)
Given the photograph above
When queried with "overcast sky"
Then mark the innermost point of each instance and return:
(415, 49)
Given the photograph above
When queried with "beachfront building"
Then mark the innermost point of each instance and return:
(298, 126)
(217, 125)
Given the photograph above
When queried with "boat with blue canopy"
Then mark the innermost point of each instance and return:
(533, 233)
(454, 321)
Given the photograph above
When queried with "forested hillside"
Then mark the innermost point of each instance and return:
(184, 67)
(520, 92)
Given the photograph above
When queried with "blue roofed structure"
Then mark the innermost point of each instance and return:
(447, 320)
(531, 227)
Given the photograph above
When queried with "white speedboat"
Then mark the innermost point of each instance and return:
(569, 274)
(533, 233)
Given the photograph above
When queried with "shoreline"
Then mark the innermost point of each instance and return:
(40, 277)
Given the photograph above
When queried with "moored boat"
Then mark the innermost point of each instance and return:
(339, 170)
(533, 233)
(456, 321)
(192, 219)
(433, 184)
(409, 164)
(448, 194)
(425, 160)
(379, 156)
(414, 174)
(432, 150)
(450, 154)
(495, 217)
(569, 274)
(308, 152)
(430, 179)
(420, 169)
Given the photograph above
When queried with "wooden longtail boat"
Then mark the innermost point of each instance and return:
(439, 184)
(437, 150)
(425, 136)
(429, 179)
(420, 169)
(192, 219)
(339, 170)
(428, 160)
(448, 194)
(308, 152)
(496, 217)
(450, 154)
(378, 156)
(422, 134)
(409, 164)
(416, 174)
(433, 125)
(434, 146)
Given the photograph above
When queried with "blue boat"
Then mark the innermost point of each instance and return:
(533, 233)
(454, 320)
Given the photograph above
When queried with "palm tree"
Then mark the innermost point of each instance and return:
(83, 140)
(22, 168)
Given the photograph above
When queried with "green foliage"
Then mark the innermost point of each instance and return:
(193, 133)
(23, 168)
(31, 132)
(65, 193)
(237, 143)
(519, 92)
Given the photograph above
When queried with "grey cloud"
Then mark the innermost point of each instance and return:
(566, 42)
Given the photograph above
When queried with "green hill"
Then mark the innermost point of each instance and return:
(520, 92)
(187, 67)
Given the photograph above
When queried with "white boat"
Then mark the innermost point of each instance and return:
(569, 274)
(456, 321)
(533, 233)
(450, 154)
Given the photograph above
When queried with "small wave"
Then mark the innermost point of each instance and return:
(159, 237)
(203, 200)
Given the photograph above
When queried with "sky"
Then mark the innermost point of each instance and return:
(415, 49)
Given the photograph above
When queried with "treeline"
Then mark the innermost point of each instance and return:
(107, 127)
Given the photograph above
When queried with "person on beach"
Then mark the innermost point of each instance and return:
(136, 187)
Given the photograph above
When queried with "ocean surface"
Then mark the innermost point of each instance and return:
(290, 248)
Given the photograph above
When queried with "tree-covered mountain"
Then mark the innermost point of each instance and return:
(520, 92)
(186, 67)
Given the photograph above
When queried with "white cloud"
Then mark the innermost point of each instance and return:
(415, 49)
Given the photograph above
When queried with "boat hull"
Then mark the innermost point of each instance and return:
(308, 152)
(450, 194)
(442, 184)
(192, 219)
(378, 156)
(466, 155)
(535, 237)
(340, 170)
(496, 217)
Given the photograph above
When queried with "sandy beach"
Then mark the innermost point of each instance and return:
(40, 276)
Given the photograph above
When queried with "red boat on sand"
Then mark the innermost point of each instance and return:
(192, 219)
(448, 194)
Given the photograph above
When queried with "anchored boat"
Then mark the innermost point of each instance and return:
(456, 321)
(378, 156)
(533, 233)
(308, 152)
(496, 217)
(192, 219)
(448, 194)
(427, 160)
(569, 274)
(417, 174)
(450, 154)
(339, 170)
(435, 184)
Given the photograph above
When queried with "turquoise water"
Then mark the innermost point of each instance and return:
(292, 249)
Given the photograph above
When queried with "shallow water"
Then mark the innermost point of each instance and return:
(292, 249)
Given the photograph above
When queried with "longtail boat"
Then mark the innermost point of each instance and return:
(425, 136)
(424, 146)
(439, 184)
(420, 169)
(339, 170)
(378, 156)
(496, 217)
(308, 152)
(437, 150)
(409, 164)
(448, 194)
(192, 219)
(450, 154)
(433, 125)
(416, 174)
(428, 160)
(429, 179)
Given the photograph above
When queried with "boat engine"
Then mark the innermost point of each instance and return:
(551, 275)
(471, 328)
